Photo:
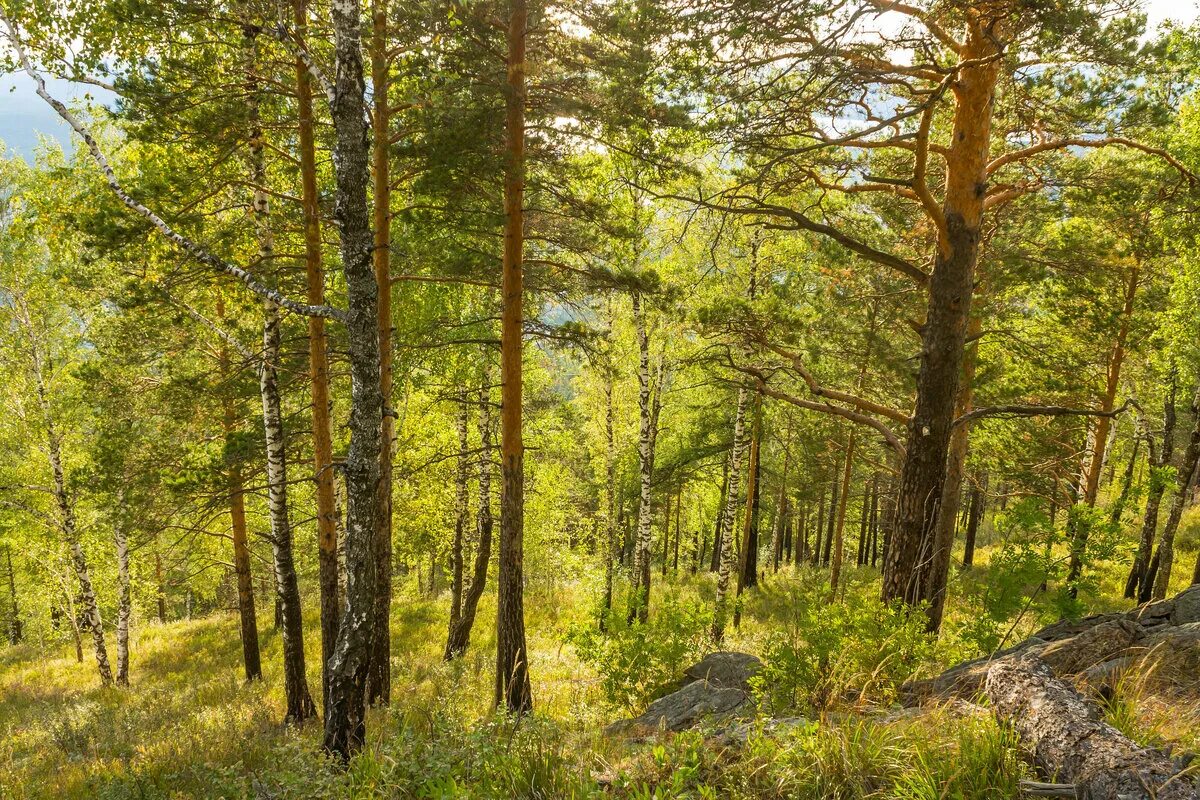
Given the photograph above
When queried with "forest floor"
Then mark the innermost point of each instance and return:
(191, 728)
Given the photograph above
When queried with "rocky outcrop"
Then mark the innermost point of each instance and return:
(717, 685)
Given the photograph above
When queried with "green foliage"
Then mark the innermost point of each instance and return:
(820, 653)
(638, 662)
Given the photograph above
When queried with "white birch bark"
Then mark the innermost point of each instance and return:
(728, 557)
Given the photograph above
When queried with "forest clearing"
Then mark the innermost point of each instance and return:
(600, 398)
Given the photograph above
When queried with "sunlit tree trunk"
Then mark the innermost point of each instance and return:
(318, 358)
(943, 334)
(1138, 585)
(347, 668)
(1165, 555)
(610, 492)
(728, 554)
(839, 531)
(513, 690)
(639, 599)
(66, 519)
(462, 516)
(379, 675)
(287, 592)
(124, 599)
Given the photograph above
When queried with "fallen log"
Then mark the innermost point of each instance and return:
(1071, 742)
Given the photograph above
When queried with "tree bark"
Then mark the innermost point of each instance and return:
(124, 599)
(728, 558)
(1072, 743)
(831, 522)
(460, 632)
(835, 569)
(1137, 585)
(639, 598)
(15, 632)
(610, 489)
(66, 517)
(513, 689)
(287, 592)
(722, 502)
(345, 726)
(974, 517)
(1102, 424)
(937, 571)
(462, 516)
(943, 335)
(379, 672)
(318, 357)
(1165, 555)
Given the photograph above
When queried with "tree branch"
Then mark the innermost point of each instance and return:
(192, 248)
(1016, 411)
(1076, 141)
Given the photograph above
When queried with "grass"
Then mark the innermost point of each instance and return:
(191, 728)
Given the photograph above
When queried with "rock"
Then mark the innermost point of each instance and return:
(1173, 653)
(1066, 628)
(726, 669)
(684, 708)
(1153, 613)
(1109, 672)
(963, 680)
(1187, 606)
(1072, 743)
(1093, 646)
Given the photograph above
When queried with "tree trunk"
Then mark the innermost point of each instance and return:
(831, 522)
(124, 601)
(1165, 555)
(1095, 464)
(937, 572)
(639, 598)
(14, 615)
(835, 569)
(780, 526)
(728, 558)
(345, 726)
(610, 490)
(815, 556)
(160, 587)
(1118, 506)
(295, 683)
(462, 517)
(66, 517)
(1137, 585)
(287, 592)
(460, 632)
(513, 689)
(1072, 743)
(678, 529)
(748, 555)
(974, 517)
(379, 672)
(943, 335)
(318, 358)
(719, 520)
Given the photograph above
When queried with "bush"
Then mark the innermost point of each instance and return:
(820, 652)
(639, 662)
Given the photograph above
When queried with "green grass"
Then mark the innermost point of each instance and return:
(191, 728)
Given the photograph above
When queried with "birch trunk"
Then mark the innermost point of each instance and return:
(639, 599)
(120, 539)
(66, 518)
(345, 725)
(727, 554)
(14, 614)
(843, 494)
(610, 491)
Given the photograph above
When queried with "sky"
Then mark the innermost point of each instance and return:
(25, 118)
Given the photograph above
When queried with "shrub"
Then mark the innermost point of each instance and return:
(639, 662)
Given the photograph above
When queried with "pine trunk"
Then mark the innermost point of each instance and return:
(462, 516)
(1138, 585)
(835, 569)
(1165, 554)
(943, 335)
(513, 690)
(318, 356)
